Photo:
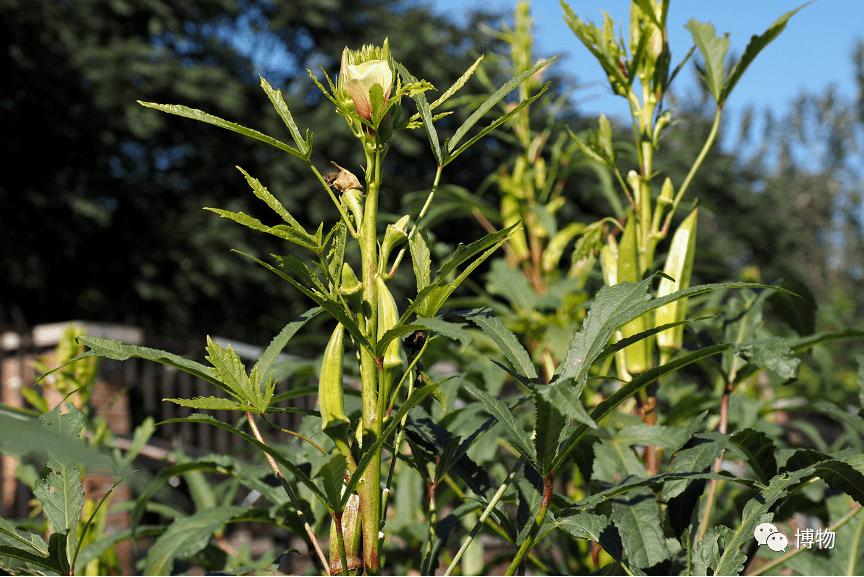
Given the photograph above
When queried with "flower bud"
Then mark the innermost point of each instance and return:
(363, 74)
(393, 237)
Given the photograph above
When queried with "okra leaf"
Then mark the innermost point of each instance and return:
(304, 145)
(630, 389)
(635, 514)
(425, 113)
(485, 107)
(211, 404)
(520, 438)
(756, 44)
(600, 43)
(115, 350)
(451, 154)
(549, 425)
(707, 552)
(430, 300)
(196, 114)
(450, 330)
(503, 337)
(288, 233)
(697, 456)
(586, 526)
(36, 543)
(230, 370)
(333, 475)
(566, 394)
(261, 192)
(713, 49)
(772, 354)
(187, 536)
(49, 562)
(839, 475)
(271, 353)
(758, 450)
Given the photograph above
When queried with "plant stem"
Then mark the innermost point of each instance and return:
(714, 485)
(290, 492)
(485, 515)
(340, 541)
(369, 486)
(538, 522)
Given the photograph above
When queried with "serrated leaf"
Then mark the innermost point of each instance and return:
(566, 395)
(230, 370)
(333, 477)
(425, 115)
(549, 425)
(275, 97)
(504, 338)
(707, 553)
(187, 536)
(700, 454)
(430, 300)
(713, 49)
(756, 44)
(586, 526)
(838, 475)
(282, 231)
(758, 450)
(202, 116)
(280, 341)
(486, 106)
(36, 543)
(772, 354)
(450, 330)
(211, 404)
(630, 389)
(502, 412)
(644, 435)
(637, 519)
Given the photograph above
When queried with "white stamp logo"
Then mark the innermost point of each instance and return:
(763, 531)
(777, 541)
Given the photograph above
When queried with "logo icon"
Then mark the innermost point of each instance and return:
(777, 542)
(762, 533)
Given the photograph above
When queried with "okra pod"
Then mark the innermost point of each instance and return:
(330, 400)
(679, 266)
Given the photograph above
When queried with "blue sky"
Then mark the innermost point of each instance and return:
(811, 53)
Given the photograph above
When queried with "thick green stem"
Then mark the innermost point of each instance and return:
(340, 543)
(369, 486)
(538, 522)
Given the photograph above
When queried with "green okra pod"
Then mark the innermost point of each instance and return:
(330, 400)
(679, 266)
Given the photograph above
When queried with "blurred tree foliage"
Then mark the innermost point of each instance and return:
(102, 198)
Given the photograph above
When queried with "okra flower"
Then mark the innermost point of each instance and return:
(364, 71)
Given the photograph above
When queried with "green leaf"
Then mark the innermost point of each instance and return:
(549, 425)
(707, 553)
(848, 559)
(772, 354)
(566, 395)
(230, 370)
(705, 449)
(275, 97)
(601, 43)
(450, 330)
(486, 106)
(504, 338)
(211, 404)
(713, 49)
(756, 44)
(333, 476)
(451, 154)
(195, 114)
(420, 258)
(586, 526)
(294, 227)
(758, 449)
(36, 543)
(282, 231)
(117, 351)
(425, 114)
(641, 530)
(839, 475)
(61, 493)
(187, 536)
(280, 341)
(631, 388)
(430, 300)
(521, 439)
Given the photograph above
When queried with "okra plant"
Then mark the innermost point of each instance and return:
(567, 469)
